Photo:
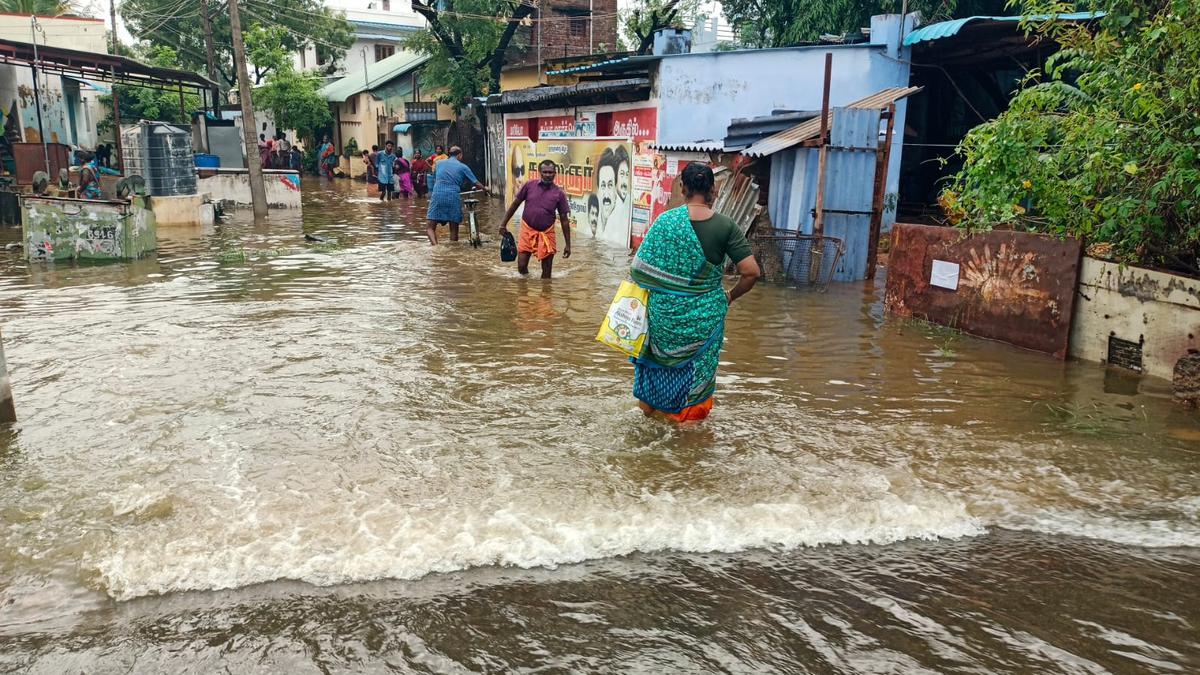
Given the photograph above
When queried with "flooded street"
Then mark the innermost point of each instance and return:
(257, 453)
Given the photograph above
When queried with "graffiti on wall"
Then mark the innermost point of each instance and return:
(68, 229)
(1010, 286)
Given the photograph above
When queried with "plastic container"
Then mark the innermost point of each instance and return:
(162, 154)
(204, 161)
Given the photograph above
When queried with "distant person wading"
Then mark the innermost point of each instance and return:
(680, 262)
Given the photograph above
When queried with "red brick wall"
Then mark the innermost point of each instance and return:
(558, 40)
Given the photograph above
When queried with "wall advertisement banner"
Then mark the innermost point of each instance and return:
(595, 174)
(556, 127)
(640, 124)
(516, 127)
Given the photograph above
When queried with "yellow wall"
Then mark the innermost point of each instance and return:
(518, 78)
(358, 118)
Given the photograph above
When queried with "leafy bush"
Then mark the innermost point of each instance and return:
(1102, 144)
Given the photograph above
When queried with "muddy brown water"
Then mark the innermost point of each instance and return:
(253, 453)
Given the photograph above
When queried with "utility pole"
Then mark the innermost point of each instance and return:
(116, 97)
(209, 56)
(112, 14)
(37, 95)
(258, 192)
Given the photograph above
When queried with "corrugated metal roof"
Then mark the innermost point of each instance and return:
(742, 133)
(945, 29)
(591, 66)
(812, 128)
(532, 95)
(606, 65)
(378, 73)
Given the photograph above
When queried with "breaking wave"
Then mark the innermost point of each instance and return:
(385, 541)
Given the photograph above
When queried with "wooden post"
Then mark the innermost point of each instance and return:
(816, 259)
(8, 411)
(882, 158)
(258, 192)
(819, 218)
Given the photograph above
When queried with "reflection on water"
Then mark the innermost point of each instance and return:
(258, 452)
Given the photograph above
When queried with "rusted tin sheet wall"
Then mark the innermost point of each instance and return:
(849, 186)
(1015, 287)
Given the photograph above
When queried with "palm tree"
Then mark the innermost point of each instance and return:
(36, 7)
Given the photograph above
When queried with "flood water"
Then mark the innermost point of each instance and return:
(256, 453)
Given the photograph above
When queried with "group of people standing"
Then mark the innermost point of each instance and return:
(441, 176)
(279, 153)
(395, 175)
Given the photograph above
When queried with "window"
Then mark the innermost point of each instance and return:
(384, 51)
(578, 27)
(387, 5)
(353, 105)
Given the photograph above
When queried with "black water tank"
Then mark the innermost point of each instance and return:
(162, 154)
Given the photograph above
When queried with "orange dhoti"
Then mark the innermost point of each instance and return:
(541, 244)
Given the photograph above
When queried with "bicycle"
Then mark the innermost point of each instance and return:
(473, 232)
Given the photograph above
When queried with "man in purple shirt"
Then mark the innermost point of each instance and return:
(542, 199)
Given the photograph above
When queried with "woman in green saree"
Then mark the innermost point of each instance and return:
(680, 262)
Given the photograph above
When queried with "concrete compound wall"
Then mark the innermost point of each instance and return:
(1159, 311)
(183, 210)
(231, 188)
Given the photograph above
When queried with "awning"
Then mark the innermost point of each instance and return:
(694, 146)
(103, 67)
(401, 128)
(945, 29)
(94, 86)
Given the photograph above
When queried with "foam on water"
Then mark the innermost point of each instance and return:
(1142, 533)
(369, 539)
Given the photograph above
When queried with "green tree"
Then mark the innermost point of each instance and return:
(177, 25)
(646, 17)
(291, 96)
(144, 103)
(782, 23)
(1102, 145)
(467, 41)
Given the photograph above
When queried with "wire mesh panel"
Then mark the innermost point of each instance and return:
(806, 261)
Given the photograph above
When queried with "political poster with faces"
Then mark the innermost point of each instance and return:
(596, 174)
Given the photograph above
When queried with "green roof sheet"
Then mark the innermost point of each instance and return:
(377, 74)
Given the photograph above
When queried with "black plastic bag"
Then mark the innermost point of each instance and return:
(508, 247)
